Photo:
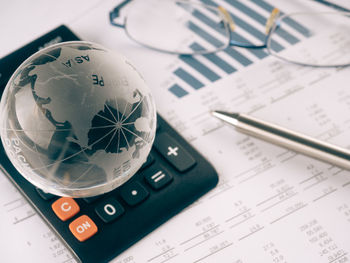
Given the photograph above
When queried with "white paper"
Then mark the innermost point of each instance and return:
(24, 235)
(271, 204)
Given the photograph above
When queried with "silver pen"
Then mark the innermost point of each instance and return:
(286, 138)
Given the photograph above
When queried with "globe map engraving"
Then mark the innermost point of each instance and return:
(77, 119)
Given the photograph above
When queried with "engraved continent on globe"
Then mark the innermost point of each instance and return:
(77, 119)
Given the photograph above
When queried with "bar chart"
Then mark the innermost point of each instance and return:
(197, 71)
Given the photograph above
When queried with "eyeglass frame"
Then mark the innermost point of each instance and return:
(273, 19)
(115, 13)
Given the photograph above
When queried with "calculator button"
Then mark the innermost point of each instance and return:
(83, 228)
(149, 161)
(44, 195)
(92, 199)
(157, 177)
(65, 208)
(109, 210)
(171, 150)
(133, 193)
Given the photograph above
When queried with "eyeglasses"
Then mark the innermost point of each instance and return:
(198, 28)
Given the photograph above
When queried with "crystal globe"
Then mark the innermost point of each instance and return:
(77, 119)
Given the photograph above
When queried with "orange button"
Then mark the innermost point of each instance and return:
(83, 228)
(65, 208)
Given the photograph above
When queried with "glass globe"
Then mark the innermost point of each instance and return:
(77, 119)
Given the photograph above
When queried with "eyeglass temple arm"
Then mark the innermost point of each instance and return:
(335, 6)
(115, 13)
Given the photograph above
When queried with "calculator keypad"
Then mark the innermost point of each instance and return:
(107, 207)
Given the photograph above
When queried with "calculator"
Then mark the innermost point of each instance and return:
(97, 229)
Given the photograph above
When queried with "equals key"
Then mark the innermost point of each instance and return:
(157, 177)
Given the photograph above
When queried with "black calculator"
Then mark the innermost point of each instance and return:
(101, 227)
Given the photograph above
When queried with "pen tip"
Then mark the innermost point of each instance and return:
(215, 113)
(219, 113)
(225, 116)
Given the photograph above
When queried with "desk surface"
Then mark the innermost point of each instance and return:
(271, 205)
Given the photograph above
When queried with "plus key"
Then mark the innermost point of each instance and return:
(173, 151)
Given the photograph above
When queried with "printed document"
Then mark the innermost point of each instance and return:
(271, 204)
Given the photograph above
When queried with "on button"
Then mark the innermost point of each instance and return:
(83, 228)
